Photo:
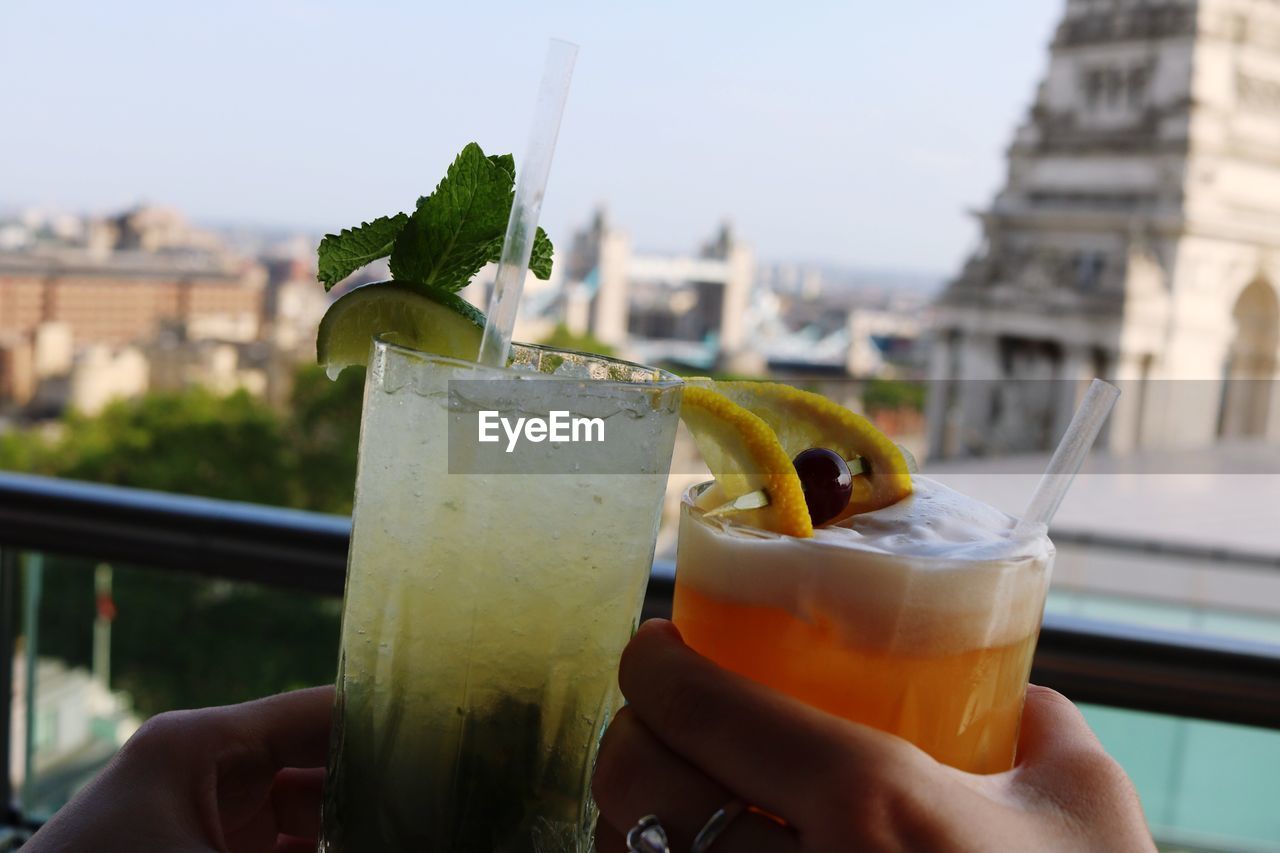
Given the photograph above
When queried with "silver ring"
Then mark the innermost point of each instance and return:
(717, 824)
(648, 836)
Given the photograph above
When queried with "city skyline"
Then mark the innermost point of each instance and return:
(739, 113)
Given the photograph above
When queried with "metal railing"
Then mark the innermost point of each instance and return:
(223, 539)
(1168, 672)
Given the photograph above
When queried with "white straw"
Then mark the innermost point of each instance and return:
(1067, 459)
(531, 184)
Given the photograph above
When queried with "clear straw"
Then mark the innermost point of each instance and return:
(531, 184)
(1067, 459)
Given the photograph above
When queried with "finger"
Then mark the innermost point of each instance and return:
(636, 775)
(292, 728)
(295, 799)
(1060, 756)
(1063, 765)
(1052, 727)
(757, 741)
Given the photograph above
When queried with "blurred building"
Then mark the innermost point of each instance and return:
(17, 368)
(839, 322)
(77, 305)
(655, 307)
(125, 296)
(152, 230)
(100, 374)
(221, 366)
(293, 304)
(859, 341)
(78, 724)
(1135, 239)
(881, 340)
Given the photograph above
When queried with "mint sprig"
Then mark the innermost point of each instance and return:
(450, 235)
(343, 253)
(507, 163)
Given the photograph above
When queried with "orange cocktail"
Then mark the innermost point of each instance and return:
(919, 619)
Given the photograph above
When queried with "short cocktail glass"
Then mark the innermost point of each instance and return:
(933, 644)
(485, 610)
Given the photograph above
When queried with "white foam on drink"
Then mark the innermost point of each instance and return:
(937, 571)
(935, 521)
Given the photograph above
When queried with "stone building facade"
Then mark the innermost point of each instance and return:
(121, 299)
(1137, 238)
(117, 299)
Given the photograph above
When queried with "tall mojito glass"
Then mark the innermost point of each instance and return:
(491, 587)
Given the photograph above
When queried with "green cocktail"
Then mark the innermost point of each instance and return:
(486, 607)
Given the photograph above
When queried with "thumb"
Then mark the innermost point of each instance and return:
(1060, 758)
(1052, 727)
(1061, 762)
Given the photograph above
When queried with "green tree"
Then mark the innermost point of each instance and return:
(27, 451)
(324, 431)
(562, 338)
(181, 640)
(893, 394)
(191, 442)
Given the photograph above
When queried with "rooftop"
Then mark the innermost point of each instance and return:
(131, 264)
(1222, 498)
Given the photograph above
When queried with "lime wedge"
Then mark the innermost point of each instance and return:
(433, 321)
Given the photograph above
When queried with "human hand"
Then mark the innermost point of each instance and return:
(242, 778)
(696, 737)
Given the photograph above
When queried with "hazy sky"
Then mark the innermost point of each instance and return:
(856, 132)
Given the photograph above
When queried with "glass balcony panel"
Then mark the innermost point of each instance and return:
(1204, 785)
(1218, 622)
(102, 647)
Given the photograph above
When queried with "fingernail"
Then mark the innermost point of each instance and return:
(663, 627)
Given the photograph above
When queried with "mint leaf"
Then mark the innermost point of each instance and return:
(450, 235)
(540, 261)
(507, 162)
(342, 254)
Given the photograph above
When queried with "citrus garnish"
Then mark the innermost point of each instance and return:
(762, 439)
(801, 420)
(426, 319)
(744, 454)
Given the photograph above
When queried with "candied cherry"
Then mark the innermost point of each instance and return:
(826, 481)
